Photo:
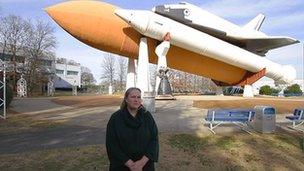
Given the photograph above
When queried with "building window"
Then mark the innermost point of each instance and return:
(58, 71)
(5, 57)
(72, 73)
(47, 63)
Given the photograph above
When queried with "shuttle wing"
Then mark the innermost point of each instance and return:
(261, 46)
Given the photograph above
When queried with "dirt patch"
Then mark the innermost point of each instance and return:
(88, 101)
(281, 106)
(18, 123)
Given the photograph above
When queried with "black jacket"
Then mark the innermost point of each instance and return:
(131, 137)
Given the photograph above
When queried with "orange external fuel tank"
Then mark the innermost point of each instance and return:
(95, 24)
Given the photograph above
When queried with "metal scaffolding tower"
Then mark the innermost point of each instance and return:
(3, 90)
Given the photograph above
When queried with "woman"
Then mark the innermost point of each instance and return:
(132, 135)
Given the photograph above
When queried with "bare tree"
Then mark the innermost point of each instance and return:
(174, 77)
(207, 85)
(4, 33)
(13, 36)
(122, 69)
(72, 62)
(39, 50)
(108, 68)
(183, 82)
(61, 60)
(87, 77)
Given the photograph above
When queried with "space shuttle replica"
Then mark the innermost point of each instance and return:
(180, 36)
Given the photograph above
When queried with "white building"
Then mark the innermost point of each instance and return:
(67, 75)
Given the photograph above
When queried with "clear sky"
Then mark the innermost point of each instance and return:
(283, 18)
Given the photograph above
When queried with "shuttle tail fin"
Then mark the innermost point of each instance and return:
(255, 23)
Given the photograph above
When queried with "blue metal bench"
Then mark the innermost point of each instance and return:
(297, 118)
(239, 117)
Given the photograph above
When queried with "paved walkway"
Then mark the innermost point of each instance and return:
(35, 105)
(87, 126)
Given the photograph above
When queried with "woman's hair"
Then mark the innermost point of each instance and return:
(124, 103)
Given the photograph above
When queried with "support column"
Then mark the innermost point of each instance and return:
(281, 93)
(143, 77)
(281, 87)
(110, 89)
(143, 81)
(248, 80)
(131, 74)
(248, 91)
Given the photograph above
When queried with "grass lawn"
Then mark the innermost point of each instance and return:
(240, 151)
(234, 151)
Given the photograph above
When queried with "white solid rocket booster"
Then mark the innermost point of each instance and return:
(156, 26)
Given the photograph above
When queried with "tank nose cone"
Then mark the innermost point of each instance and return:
(138, 19)
(95, 24)
(126, 15)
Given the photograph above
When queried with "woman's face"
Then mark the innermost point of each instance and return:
(134, 99)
